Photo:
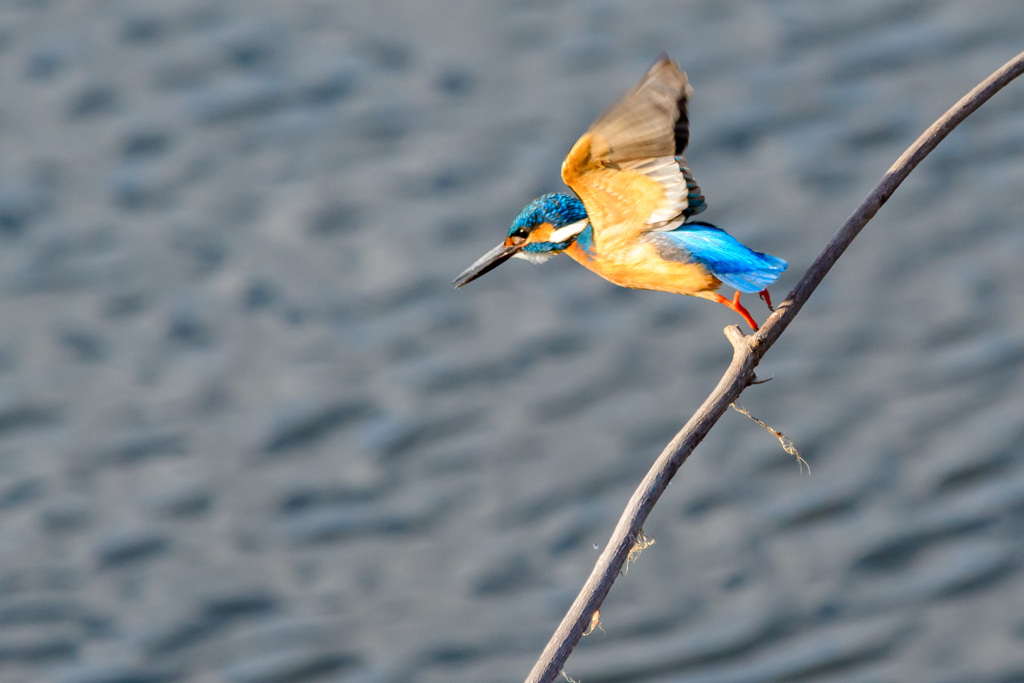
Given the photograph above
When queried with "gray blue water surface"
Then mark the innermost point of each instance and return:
(249, 432)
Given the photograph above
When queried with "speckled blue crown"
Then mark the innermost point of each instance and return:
(557, 209)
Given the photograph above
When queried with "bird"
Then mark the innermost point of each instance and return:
(629, 220)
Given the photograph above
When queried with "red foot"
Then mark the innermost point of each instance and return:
(735, 305)
(767, 298)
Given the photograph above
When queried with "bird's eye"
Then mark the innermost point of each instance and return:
(518, 236)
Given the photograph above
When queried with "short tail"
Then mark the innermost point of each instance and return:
(728, 259)
(764, 269)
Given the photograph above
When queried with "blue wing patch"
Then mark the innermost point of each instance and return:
(727, 258)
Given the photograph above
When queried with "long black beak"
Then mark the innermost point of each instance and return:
(485, 264)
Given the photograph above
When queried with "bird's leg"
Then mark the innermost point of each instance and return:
(735, 305)
(767, 298)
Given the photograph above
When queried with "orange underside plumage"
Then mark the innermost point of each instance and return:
(638, 266)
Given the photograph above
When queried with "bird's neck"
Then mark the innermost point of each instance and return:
(583, 249)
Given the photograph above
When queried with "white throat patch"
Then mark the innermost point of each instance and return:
(534, 257)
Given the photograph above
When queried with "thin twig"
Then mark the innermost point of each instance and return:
(787, 443)
(747, 352)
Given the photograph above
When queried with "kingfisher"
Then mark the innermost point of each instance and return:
(629, 221)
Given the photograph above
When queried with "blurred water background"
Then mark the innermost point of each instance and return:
(249, 433)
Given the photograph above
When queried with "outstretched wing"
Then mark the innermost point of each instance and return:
(628, 169)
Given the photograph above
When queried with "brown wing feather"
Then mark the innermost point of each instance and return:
(649, 121)
(628, 168)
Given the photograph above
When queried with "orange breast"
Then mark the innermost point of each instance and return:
(639, 266)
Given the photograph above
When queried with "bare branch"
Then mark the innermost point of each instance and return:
(747, 352)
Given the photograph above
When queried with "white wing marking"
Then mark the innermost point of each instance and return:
(668, 172)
